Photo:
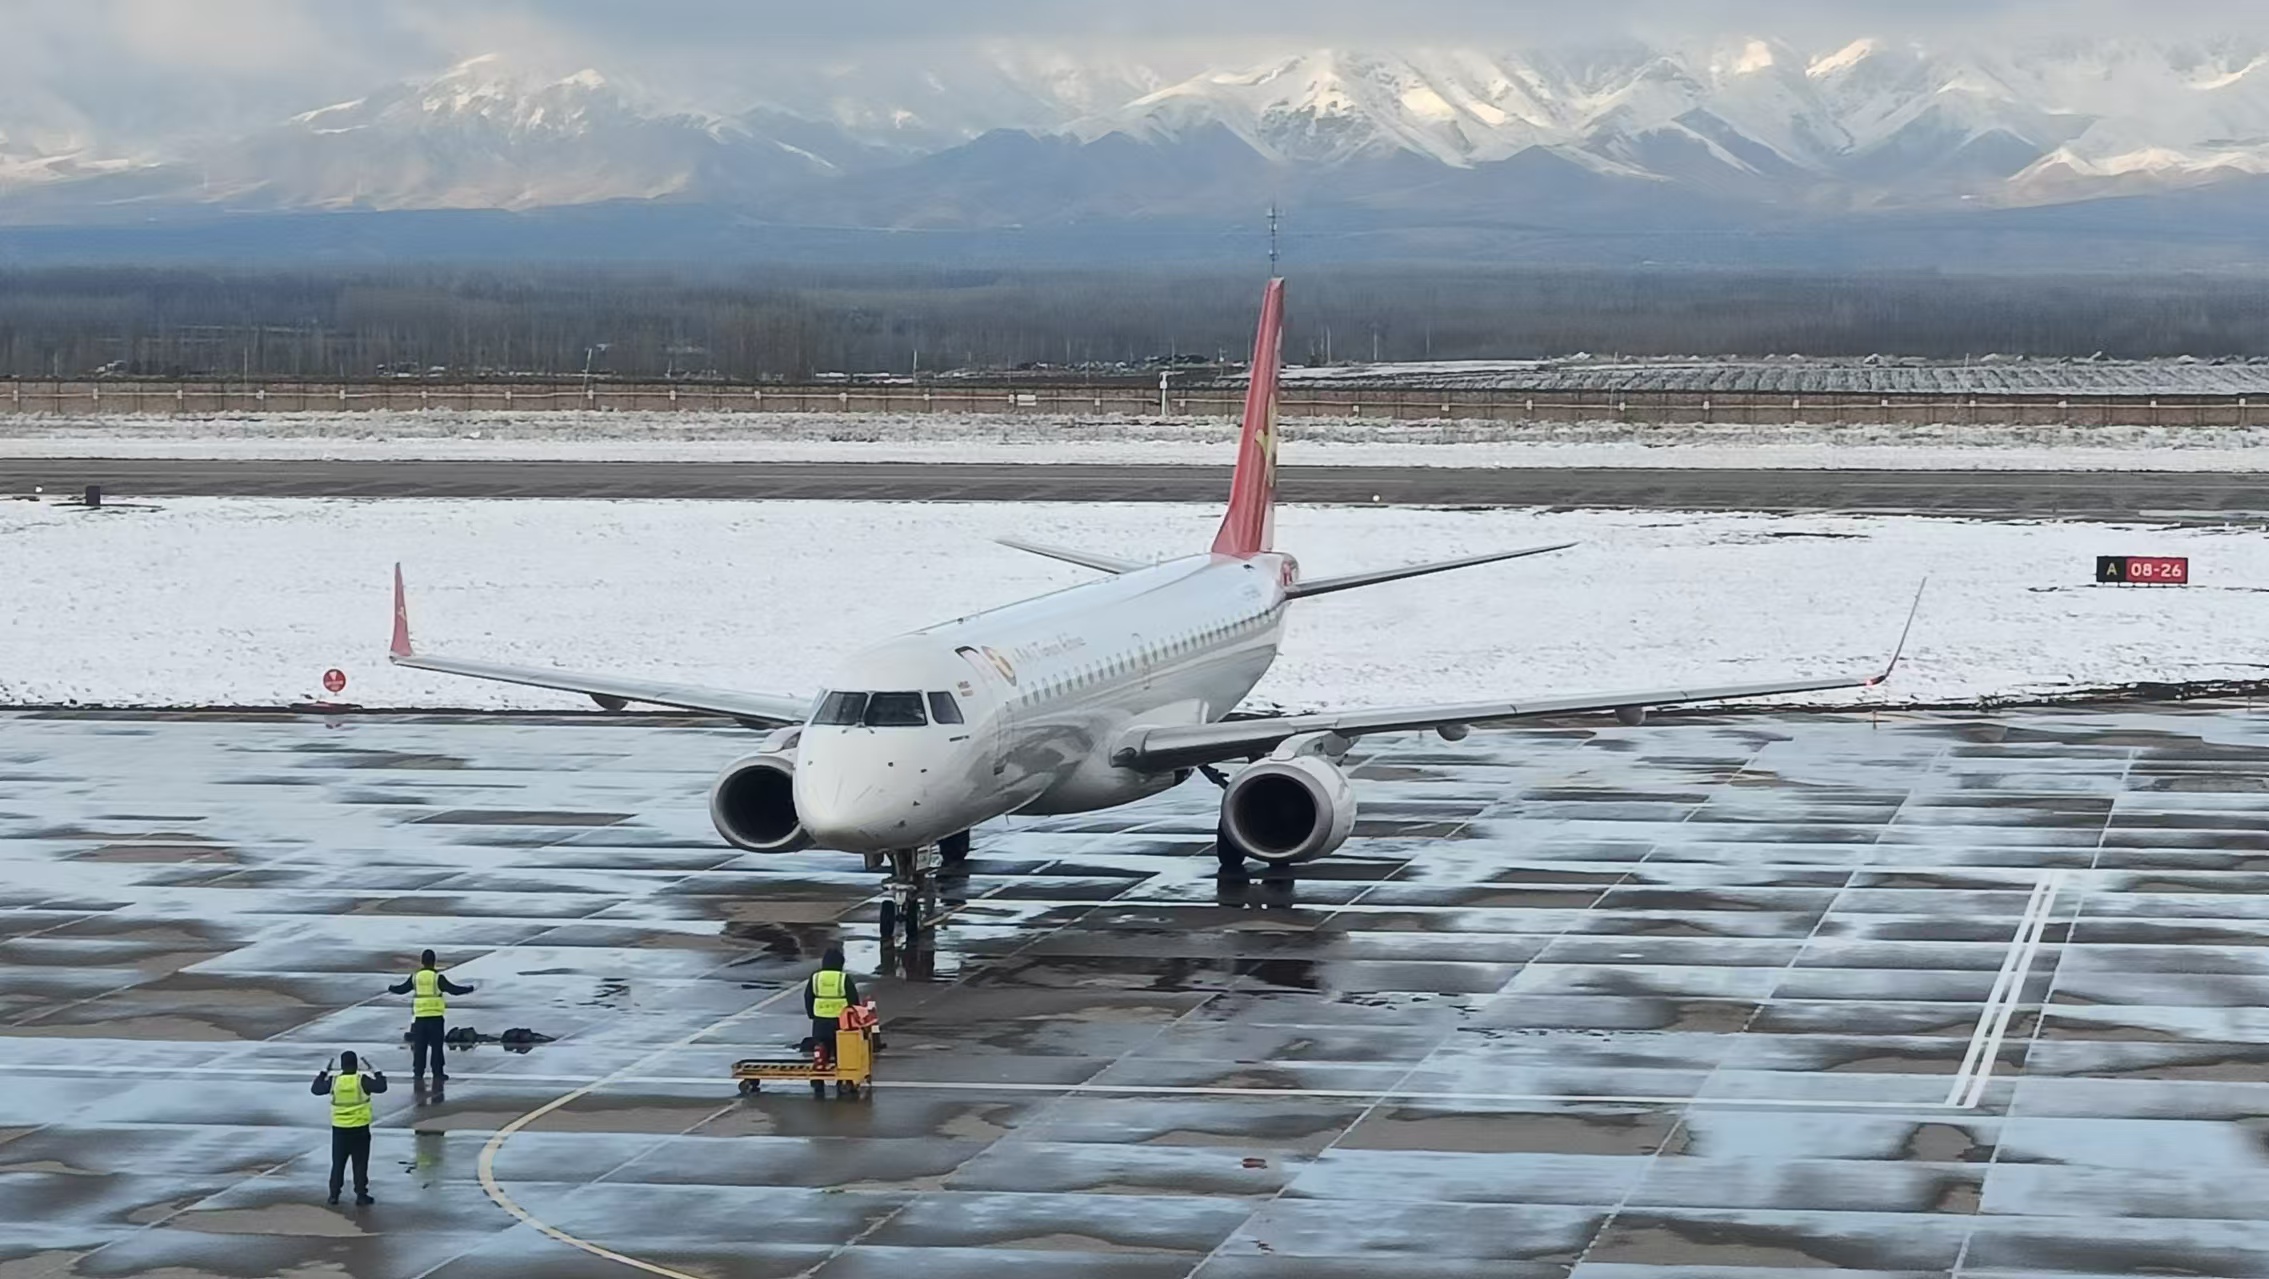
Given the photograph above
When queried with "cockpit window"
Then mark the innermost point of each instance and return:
(895, 710)
(841, 708)
(944, 709)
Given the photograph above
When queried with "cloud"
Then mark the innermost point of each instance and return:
(755, 25)
(158, 69)
(171, 68)
(223, 37)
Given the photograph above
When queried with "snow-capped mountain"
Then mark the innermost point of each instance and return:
(2183, 115)
(1866, 122)
(38, 157)
(925, 107)
(487, 134)
(1010, 135)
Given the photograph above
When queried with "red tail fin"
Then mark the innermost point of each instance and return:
(1250, 525)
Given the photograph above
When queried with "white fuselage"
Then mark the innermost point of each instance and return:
(1044, 690)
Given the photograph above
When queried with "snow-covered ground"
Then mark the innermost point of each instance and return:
(241, 601)
(786, 437)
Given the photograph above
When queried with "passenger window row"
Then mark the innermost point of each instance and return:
(1127, 664)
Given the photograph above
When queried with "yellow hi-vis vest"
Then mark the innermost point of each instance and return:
(426, 984)
(827, 987)
(350, 1105)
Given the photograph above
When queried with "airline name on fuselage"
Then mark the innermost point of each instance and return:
(1054, 646)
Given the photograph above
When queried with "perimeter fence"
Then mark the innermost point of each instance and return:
(1410, 403)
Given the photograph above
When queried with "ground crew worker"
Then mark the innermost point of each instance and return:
(428, 1010)
(350, 1092)
(826, 995)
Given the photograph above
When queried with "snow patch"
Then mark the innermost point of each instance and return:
(238, 601)
(1844, 59)
(1100, 439)
(1755, 56)
(2211, 83)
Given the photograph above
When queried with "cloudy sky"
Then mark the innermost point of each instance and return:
(152, 68)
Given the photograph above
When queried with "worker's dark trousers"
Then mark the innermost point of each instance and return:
(425, 1037)
(350, 1143)
(823, 1034)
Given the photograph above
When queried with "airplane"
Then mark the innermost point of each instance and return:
(1086, 698)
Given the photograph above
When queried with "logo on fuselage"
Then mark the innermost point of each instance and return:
(1000, 663)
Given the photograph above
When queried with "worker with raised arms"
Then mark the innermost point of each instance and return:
(350, 1092)
(428, 1012)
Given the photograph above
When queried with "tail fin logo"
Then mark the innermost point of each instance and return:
(1249, 526)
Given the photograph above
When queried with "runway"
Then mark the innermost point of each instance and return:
(2192, 497)
(1935, 994)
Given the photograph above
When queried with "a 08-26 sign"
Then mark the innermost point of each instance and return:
(2144, 570)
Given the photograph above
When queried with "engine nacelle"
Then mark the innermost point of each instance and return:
(753, 804)
(1287, 811)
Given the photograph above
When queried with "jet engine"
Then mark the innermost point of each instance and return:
(753, 804)
(1286, 811)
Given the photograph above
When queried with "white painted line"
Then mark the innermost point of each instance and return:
(1374, 1094)
(487, 1165)
(1988, 1060)
(1968, 1086)
(1994, 997)
(1035, 905)
(884, 1083)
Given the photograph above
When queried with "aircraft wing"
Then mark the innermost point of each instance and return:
(1326, 586)
(1168, 747)
(609, 691)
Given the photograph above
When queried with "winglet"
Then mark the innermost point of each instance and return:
(401, 645)
(1904, 631)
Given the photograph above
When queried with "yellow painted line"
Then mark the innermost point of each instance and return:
(496, 1192)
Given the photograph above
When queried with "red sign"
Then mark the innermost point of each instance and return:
(334, 680)
(2166, 570)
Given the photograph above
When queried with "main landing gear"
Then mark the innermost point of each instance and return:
(1235, 862)
(1231, 857)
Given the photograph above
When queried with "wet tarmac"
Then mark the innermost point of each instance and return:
(1977, 993)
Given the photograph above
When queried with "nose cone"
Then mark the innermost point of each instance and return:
(856, 804)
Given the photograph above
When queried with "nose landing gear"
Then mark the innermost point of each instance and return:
(912, 896)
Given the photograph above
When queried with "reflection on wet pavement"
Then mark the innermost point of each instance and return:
(1980, 993)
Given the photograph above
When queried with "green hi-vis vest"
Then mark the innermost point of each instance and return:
(350, 1105)
(427, 985)
(827, 989)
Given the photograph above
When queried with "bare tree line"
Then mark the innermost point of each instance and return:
(790, 324)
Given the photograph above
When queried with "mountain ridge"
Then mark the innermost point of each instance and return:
(1614, 136)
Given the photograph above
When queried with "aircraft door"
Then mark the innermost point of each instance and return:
(995, 679)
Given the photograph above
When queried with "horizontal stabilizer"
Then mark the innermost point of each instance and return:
(1085, 559)
(1325, 586)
